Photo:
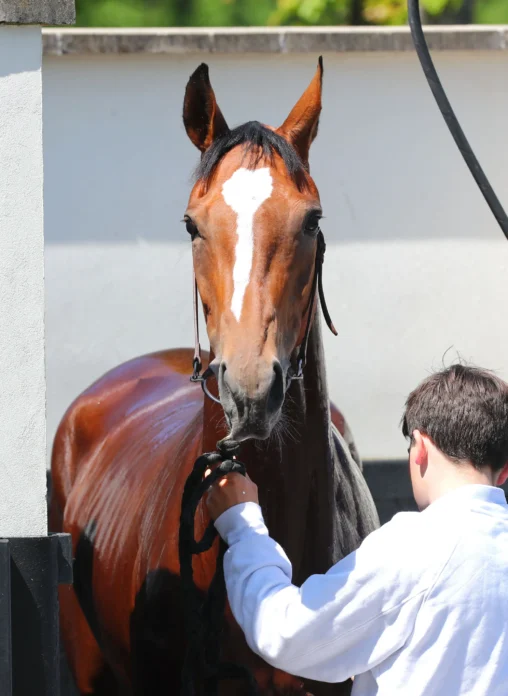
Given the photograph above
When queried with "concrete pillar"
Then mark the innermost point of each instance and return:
(32, 564)
(22, 373)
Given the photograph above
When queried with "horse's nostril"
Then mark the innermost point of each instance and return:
(277, 370)
(276, 394)
(221, 377)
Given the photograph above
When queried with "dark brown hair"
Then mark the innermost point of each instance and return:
(464, 411)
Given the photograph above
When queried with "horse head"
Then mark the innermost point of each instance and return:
(253, 218)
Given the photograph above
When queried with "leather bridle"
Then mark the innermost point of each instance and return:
(301, 358)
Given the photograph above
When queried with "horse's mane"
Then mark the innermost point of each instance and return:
(259, 143)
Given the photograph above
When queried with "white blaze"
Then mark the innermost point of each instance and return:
(245, 192)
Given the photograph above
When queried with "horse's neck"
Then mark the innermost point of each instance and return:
(296, 470)
(309, 463)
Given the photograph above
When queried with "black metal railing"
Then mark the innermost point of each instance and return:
(31, 569)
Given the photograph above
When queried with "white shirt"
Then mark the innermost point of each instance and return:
(420, 609)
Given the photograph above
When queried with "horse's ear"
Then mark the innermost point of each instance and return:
(202, 117)
(301, 126)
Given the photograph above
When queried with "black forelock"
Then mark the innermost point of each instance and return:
(259, 143)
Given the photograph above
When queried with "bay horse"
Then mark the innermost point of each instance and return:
(126, 445)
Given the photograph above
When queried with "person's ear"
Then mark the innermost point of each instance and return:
(420, 450)
(502, 476)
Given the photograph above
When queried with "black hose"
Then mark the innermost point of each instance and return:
(451, 120)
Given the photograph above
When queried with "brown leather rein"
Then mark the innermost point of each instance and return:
(301, 358)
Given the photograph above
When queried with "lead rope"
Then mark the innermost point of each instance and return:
(204, 615)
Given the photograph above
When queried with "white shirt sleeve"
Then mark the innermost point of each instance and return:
(335, 625)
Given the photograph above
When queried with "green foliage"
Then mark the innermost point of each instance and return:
(491, 12)
(435, 7)
(213, 13)
(390, 12)
(384, 12)
(310, 12)
(185, 13)
(124, 13)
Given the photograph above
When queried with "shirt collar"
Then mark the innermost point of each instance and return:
(468, 492)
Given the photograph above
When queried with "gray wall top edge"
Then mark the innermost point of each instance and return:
(61, 42)
(49, 12)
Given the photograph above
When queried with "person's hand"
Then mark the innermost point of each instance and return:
(231, 490)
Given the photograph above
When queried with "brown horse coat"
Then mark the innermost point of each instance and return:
(126, 445)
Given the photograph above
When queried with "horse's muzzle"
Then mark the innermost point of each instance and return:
(252, 406)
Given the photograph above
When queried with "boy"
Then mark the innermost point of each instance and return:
(421, 608)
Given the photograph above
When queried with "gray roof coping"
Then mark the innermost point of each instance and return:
(52, 12)
(61, 42)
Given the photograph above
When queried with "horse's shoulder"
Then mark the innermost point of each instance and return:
(174, 365)
(132, 384)
(149, 387)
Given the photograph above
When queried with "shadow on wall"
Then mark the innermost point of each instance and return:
(24, 53)
(118, 163)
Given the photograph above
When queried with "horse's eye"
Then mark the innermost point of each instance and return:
(191, 228)
(311, 224)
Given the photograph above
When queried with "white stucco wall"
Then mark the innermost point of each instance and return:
(415, 264)
(22, 379)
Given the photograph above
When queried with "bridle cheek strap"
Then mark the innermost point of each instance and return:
(301, 359)
(196, 361)
(317, 289)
